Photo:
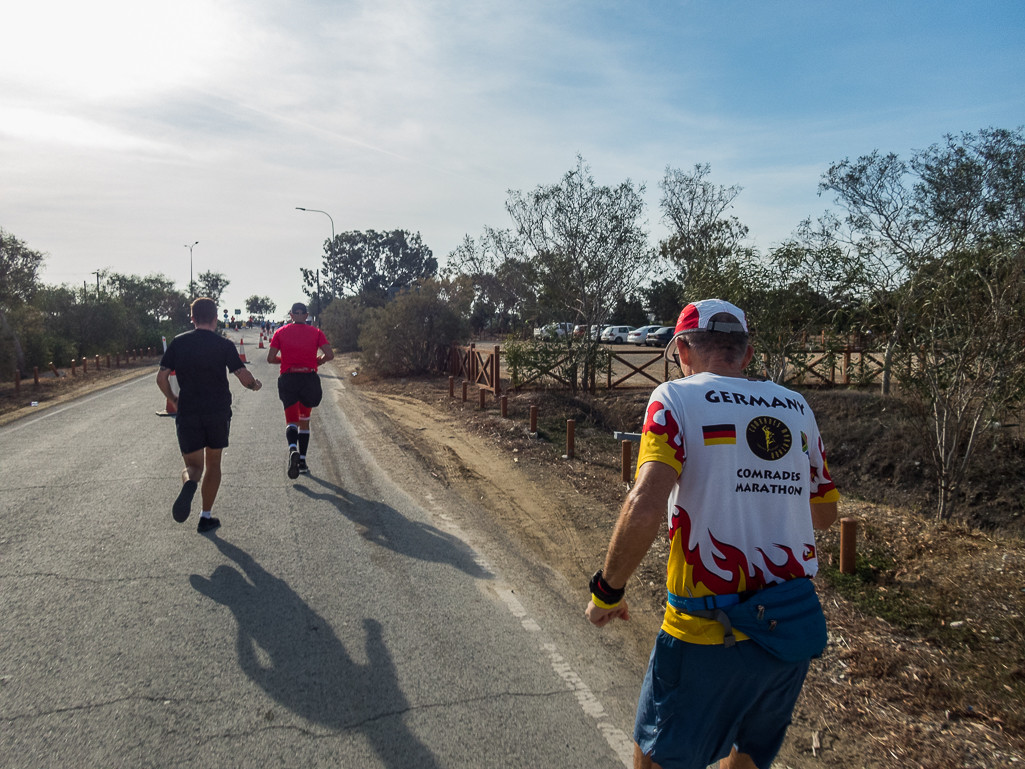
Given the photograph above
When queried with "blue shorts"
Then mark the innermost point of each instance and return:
(698, 701)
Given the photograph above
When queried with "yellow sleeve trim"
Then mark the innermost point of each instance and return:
(830, 496)
(601, 604)
(656, 448)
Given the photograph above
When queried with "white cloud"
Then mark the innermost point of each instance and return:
(115, 48)
(46, 127)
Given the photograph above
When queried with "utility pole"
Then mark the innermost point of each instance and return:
(318, 211)
(192, 292)
(97, 274)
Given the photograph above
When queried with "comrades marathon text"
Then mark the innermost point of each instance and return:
(771, 488)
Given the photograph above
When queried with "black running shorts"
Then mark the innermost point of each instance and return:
(199, 431)
(301, 388)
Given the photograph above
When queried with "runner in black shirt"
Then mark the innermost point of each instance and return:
(199, 360)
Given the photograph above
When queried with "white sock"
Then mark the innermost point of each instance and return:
(205, 514)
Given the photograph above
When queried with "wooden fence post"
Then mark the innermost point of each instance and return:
(847, 364)
(496, 371)
(481, 394)
(627, 460)
(72, 367)
(85, 365)
(97, 362)
(571, 434)
(505, 406)
(533, 419)
(848, 544)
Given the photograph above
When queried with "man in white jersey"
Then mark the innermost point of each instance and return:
(741, 469)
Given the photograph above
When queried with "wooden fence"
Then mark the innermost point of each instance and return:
(480, 366)
(824, 362)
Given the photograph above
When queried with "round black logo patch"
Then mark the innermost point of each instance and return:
(768, 438)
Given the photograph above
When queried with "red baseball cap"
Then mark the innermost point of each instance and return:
(697, 316)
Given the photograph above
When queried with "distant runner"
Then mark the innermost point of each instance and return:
(300, 349)
(199, 359)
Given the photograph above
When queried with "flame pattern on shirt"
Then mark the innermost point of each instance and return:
(661, 438)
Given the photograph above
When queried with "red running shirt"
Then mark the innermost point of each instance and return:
(297, 345)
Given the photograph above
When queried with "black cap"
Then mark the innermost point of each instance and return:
(299, 309)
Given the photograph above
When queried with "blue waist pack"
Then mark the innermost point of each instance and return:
(785, 619)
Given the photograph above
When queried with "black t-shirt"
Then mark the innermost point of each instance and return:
(200, 360)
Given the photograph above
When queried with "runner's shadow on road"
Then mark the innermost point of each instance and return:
(293, 654)
(385, 526)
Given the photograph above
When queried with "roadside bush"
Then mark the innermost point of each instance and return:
(341, 322)
(411, 335)
(546, 360)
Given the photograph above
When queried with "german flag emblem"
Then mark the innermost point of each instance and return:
(716, 435)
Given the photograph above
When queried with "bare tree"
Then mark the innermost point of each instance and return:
(962, 355)
(586, 242)
(705, 243)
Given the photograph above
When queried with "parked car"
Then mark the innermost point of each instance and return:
(639, 335)
(578, 331)
(553, 330)
(616, 334)
(660, 337)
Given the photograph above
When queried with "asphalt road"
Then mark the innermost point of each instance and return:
(361, 616)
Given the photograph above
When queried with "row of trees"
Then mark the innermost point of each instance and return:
(42, 324)
(923, 256)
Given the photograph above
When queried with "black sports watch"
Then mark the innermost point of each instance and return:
(603, 591)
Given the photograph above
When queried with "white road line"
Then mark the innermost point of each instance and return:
(77, 402)
(620, 743)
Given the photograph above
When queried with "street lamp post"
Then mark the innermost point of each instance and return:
(318, 211)
(192, 290)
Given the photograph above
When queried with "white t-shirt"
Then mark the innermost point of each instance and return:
(750, 459)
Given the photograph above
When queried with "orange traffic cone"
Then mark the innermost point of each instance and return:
(261, 347)
(169, 410)
(242, 350)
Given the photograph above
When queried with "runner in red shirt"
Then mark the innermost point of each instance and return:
(300, 349)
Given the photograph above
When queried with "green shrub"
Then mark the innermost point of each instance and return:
(546, 360)
(341, 322)
(411, 334)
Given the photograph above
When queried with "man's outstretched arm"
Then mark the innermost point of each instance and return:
(642, 514)
(245, 376)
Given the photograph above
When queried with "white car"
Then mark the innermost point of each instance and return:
(616, 334)
(640, 335)
(554, 330)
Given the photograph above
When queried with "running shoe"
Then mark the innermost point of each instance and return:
(208, 524)
(303, 467)
(293, 464)
(183, 505)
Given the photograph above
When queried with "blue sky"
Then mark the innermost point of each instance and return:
(127, 131)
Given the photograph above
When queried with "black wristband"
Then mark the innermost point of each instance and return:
(604, 591)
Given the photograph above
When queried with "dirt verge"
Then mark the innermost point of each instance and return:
(926, 662)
